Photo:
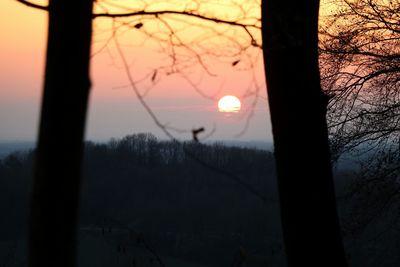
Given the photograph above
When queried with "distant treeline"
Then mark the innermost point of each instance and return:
(173, 186)
(159, 186)
(193, 199)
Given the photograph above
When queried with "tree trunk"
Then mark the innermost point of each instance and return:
(57, 168)
(310, 223)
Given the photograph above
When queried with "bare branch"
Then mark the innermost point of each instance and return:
(165, 127)
(138, 95)
(174, 12)
(30, 4)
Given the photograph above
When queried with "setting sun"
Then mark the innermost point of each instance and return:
(229, 103)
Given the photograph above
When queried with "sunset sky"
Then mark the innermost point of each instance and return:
(114, 109)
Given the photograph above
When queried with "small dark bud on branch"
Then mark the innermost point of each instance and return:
(139, 25)
(153, 77)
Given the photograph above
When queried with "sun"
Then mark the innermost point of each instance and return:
(229, 103)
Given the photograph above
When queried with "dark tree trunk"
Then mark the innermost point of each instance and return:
(57, 170)
(298, 107)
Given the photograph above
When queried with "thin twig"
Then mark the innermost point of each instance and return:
(30, 4)
(164, 127)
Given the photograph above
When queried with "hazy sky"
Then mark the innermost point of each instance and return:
(114, 109)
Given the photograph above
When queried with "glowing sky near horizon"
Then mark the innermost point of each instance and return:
(114, 111)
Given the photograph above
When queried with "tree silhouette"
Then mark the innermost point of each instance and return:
(57, 175)
(360, 68)
(360, 53)
(298, 107)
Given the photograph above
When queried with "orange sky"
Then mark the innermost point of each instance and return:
(114, 109)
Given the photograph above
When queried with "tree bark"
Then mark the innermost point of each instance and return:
(310, 223)
(57, 170)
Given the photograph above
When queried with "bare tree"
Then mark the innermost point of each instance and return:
(360, 62)
(360, 59)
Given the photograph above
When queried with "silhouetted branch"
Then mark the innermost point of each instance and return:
(359, 55)
(227, 174)
(253, 104)
(195, 132)
(239, 33)
(198, 90)
(174, 12)
(138, 95)
(164, 128)
(152, 251)
(30, 4)
(140, 238)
